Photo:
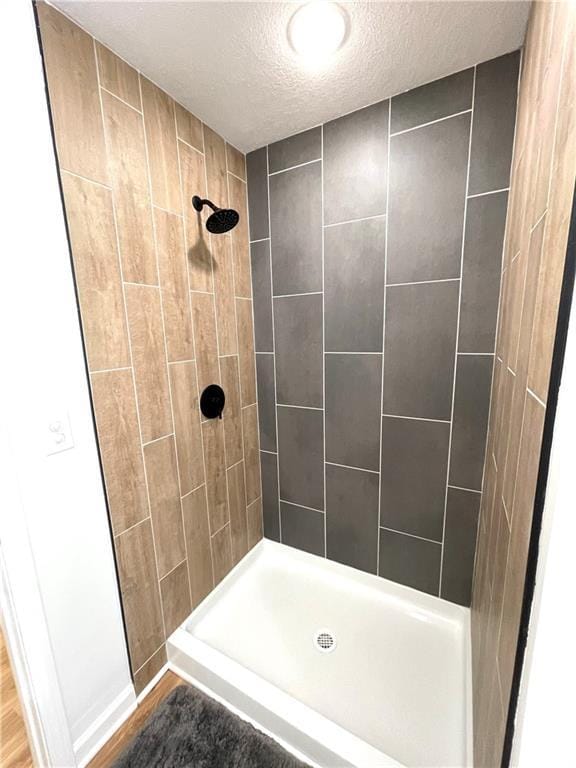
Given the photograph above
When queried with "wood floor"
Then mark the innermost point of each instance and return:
(112, 749)
(14, 749)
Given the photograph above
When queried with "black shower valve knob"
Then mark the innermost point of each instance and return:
(212, 401)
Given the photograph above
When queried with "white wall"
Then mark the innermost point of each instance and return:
(544, 733)
(58, 498)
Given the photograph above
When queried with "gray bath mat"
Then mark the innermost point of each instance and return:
(190, 730)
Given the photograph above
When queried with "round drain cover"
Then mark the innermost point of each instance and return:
(324, 641)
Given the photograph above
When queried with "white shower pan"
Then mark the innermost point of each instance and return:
(341, 667)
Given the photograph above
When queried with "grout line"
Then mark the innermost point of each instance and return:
(164, 338)
(535, 396)
(187, 143)
(475, 354)
(235, 463)
(135, 525)
(273, 453)
(188, 493)
(165, 210)
(381, 404)
(346, 352)
(457, 332)
(85, 178)
(510, 371)
(294, 504)
(123, 288)
(415, 418)
(491, 192)
(533, 227)
(198, 418)
(213, 302)
(460, 488)
(273, 344)
(115, 95)
(303, 407)
(290, 295)
(261, 240)
(232, 354)
(255, 367)
(250, 405)
(212, 535)
(157, 439)
(439, 120)
(206, 293)
(292, 167)
(244, 181)
(242, 298)
(141, 285)
(180, 362)
(263, 353)
(349, 466)
(352, 221)
(174, 568)
(135, 672)
(323, 339)
(424, 282)
(111, 370)
(411, 535)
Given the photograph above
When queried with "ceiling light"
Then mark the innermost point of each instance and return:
(316, 30)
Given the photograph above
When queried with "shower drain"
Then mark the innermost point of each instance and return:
(324, 641)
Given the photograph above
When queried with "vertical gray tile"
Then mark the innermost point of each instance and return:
(302, 528)
(485, 222)
(257, 175)
(353, 390)
(298, 338)
(413, 487)
(270, 509)
(427, 193)
(355, 164)
(354, 261)
(266, 401)
(300, 148)
(262, 292)
(301, 456)
(352, 517)
(471, 405)
(459, 545)
(494, 123)
(432, 101)
(420, 342)
(410, 561)
(296, 222)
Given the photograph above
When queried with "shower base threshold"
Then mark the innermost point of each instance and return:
(341, 667)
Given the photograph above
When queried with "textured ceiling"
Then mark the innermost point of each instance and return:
(230, 62)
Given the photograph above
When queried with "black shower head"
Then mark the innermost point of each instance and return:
(219, 222)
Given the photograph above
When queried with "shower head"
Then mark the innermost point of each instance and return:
(219, 222)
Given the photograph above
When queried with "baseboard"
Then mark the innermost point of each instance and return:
(104, 727)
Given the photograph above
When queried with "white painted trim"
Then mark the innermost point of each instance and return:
(105, 726)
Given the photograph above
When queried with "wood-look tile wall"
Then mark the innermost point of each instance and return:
(542, 188)
(166, 310)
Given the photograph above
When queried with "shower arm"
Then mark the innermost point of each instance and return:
(198, 204)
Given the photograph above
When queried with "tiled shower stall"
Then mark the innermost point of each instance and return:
(376, 247)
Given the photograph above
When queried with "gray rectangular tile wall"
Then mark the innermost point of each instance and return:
(376, 292)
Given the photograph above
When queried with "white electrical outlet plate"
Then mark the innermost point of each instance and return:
(58, 434)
